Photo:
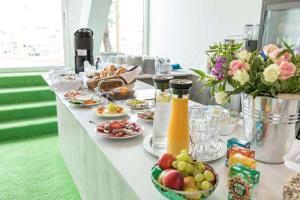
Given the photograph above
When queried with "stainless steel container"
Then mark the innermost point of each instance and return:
(271, 124)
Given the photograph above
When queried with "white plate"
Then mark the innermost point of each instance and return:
(84, 97)
(145, 120)
(147, 144)
(126, 111)
(99, 101)
(146, 106)
(138, 133)
(73, 97)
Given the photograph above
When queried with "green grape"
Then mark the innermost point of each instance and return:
(181, 165)
(190, 168)
(205, 185)
(180, 157)
(175, 164)
(199, 167)
(208, 175)
(185, 173)
(196, 171)
(184, 151)
(199, 177)
(185, 157)
(198, 184)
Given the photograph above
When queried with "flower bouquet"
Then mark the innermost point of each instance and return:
(270, 72)
(269, 81)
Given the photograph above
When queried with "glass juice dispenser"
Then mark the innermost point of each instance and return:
(161, 112)
(178, 131)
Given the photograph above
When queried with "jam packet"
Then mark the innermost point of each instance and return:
(235, 142)
(242, 183)
(238, 158)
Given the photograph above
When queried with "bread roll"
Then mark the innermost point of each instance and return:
(111, 70)
(121, 70)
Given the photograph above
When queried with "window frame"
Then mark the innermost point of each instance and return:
(146, 27)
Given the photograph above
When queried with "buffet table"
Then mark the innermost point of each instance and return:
(120, 169)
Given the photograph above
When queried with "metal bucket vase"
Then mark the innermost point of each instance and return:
(271, 124)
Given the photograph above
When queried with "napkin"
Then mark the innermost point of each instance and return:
(66, 83)
(131, 74)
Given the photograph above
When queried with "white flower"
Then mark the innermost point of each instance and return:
(271, 73)
(221, 97)
(244, 55)
(241, 76)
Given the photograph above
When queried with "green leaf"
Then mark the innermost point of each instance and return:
(273, 92)
(213, 90)
(276, 84)
(200, 73)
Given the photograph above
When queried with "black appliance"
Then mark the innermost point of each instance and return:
(279, 22)
(84, 45)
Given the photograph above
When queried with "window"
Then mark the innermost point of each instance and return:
(31, 33)
(125, 28)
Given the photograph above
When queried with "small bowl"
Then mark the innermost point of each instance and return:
(182, 195)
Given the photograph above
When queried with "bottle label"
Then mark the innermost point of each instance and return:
(81, 52)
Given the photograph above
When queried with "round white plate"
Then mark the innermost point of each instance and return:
(145, 120)
(87, 105)
(146, 106)
(73, 97)
(138, 133)
(147, 144)
(86, 97)
(126, 111)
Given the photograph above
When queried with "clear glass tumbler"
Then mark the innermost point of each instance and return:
(205, 130)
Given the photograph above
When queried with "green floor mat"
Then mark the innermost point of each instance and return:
(33, 169)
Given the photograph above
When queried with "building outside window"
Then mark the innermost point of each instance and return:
(31, 33)
(125, 28)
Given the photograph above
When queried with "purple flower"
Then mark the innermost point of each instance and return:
(218, 73)
(297, 51)
(218, 65)
(221, 59)
(217, 70)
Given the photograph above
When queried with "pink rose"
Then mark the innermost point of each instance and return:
(285, 57)
(236, 65)
(269, 48)
(287, 70)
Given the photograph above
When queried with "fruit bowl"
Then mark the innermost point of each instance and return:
(183, 195)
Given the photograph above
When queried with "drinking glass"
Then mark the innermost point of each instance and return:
(205, 128)
(200, 136)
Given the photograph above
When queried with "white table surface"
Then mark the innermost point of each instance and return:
(134, 163)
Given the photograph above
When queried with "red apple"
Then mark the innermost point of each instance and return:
(162, 175)
(165, 161)
(173, 179)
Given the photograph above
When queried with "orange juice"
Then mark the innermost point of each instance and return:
(178, 133)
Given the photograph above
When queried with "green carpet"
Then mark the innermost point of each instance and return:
(33, 169)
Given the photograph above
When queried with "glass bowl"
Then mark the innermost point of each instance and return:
(183, 195)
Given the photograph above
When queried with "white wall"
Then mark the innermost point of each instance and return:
(183, 29)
